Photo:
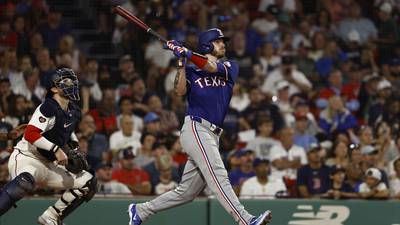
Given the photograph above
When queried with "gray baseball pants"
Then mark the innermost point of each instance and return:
(204, 167)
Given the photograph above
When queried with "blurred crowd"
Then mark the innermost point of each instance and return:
(315, 112)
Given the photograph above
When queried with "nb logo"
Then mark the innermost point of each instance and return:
(326, 215)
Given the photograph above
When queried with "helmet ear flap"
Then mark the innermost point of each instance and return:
(207, 48)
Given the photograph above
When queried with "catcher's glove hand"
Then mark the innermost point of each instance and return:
(76, 160)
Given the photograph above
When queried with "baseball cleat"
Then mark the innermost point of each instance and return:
(49, 220)
(134, 218)
(262, 219)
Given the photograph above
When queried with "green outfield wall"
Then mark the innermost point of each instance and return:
(209, 212)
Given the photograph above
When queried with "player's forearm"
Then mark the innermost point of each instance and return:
(33, 135)
(180, 82)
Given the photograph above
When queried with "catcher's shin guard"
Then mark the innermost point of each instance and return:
(73, 198)
(16, 189)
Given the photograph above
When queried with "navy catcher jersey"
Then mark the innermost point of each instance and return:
(57, 124)
(210, 93)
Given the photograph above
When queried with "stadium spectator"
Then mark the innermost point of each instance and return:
(45, 65)
(244, 170)
(97, 143)
(53, 29)
(240, 98)
(388, 31)
(126, 108)
(161, 155)
(259, 108)
(385, 144)
(168, 120)
(264, 141)
(139, 92)
(336, 118)
(267, 62)
(395, 181)
(261, 185)
(301, 137)
(126, 72)
(282, 98)
(67, 46)
(6, 94)
(371, 159)
(105, 184)
(9, 39)
(384, 90)
(364, 26)
(313, 178)
(267, 21)
(239, 53)
(340, 156)
(31, 88)
(4, 174)
(298, 81)
(338, 188)
(126, 136)
(144, 154)
(286, 157)
(373, 187)
(21, 110)
(135, 178)
(104, 116)
(152, 124)
(166, 182)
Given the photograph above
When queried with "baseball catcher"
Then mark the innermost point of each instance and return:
(48, 153)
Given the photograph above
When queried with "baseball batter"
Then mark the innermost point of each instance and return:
(39, 158)
(208, 84)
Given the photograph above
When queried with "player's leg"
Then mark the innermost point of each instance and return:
(79, 188)
(25, 172)
(203, 146)
(192, 183)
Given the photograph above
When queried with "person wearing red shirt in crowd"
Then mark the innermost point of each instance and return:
(335, 87)
(8, 38)
(135, 178)
(104, 116)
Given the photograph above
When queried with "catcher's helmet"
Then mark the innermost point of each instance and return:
(207, 37)
(66, 80)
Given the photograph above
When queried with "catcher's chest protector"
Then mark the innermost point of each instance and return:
(65, 124)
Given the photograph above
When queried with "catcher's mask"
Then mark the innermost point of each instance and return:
(66, 80)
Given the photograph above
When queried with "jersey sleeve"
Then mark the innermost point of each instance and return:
(43, 117)
(42, 120)
(228, 70)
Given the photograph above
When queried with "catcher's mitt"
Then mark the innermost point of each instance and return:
(76, 160)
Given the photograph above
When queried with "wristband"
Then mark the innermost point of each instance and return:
(198, 60)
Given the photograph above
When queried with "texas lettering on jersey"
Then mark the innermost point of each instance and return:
(210, 93)
(210, 82)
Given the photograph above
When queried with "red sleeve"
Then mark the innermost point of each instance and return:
(32, 133)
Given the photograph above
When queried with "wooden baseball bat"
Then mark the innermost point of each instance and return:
(133, 19)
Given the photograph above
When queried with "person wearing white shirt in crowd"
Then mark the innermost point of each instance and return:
(287, 157)
(155, 54)
(261, 185)
(126, 108)
(31, 88)
(267, 22)
(105, 184)
(282, 98)
(395, 180)
(263, 142)
(126, 136)
(373, 187)
(287, 71)
(240, 98)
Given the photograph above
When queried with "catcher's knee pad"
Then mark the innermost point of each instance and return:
(73, 198)
(16, 189)
(91, 187)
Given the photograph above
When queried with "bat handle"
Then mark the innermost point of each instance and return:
(161, 38)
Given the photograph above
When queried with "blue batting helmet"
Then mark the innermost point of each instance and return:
(66, 80)
(207, 37)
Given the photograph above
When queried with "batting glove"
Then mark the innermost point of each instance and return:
(178, 49)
